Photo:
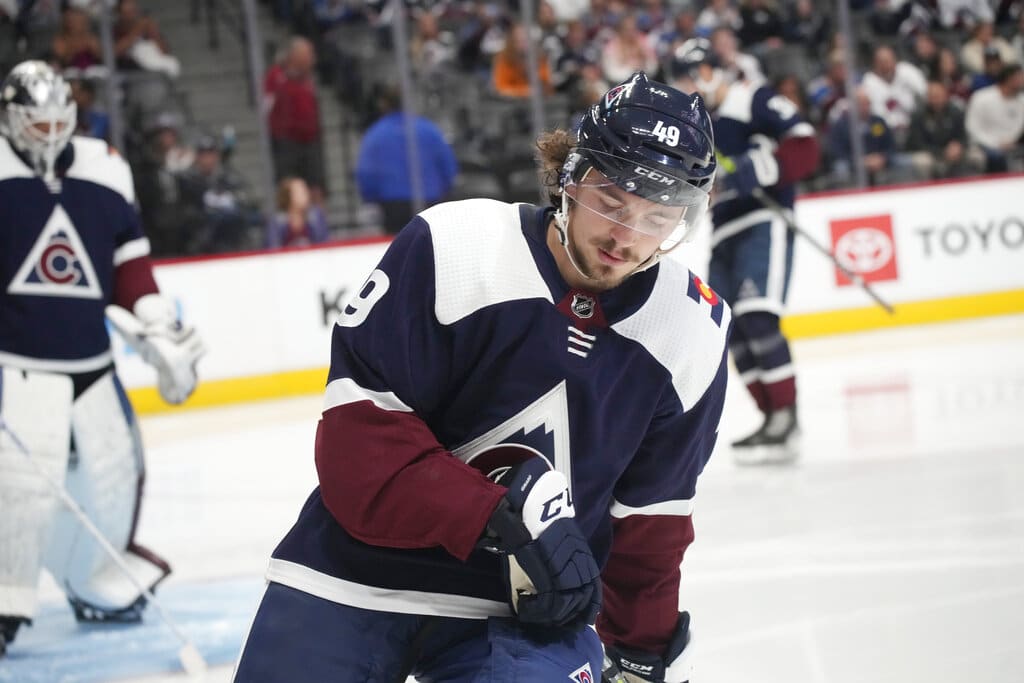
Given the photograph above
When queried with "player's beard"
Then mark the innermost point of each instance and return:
(603, 276)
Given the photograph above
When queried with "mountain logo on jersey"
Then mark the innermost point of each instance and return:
(582, 674)
(543, 425)
(58, 263)
(698, 291)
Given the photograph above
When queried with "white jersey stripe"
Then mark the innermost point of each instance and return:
(131, 250)
(382, 599)
(674, 508)
(344, 390)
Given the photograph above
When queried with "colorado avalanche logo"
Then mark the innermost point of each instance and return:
(582, 306)
(582, 674)
(58, 263)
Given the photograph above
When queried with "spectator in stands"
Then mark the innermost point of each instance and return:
(429, 48)
(164, 157)
(995, 119)
(383, 169)
(895, 88)
(937, 141)
(718, 13)
(953, 77)
(680, 28)
(990, 72)
(879, 145)
(983, 43)
(217, 210)
(76, 45)
(298, 221)
(1018, 39)
(808, 26)
(91, 123)
(139, 44)
(760, 26)
(825, 90)
(627, 51)
(294, 114)
(510, 75)
(790, 87)
(739, 65)
(576, 54)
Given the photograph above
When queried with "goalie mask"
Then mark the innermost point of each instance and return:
(650, 141)
(37, 114)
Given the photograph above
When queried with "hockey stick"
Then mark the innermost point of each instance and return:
(191, 660)
(854, 277)
(769, 203)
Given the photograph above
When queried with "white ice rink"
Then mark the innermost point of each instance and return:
(891, 552)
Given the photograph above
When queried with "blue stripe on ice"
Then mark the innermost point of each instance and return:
(215, 616)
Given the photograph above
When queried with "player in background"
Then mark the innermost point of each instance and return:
(70, 245)
(519, 403)
(764, 146)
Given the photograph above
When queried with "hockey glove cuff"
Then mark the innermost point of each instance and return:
(155, 332)
(674, 666)
(552, 575)
(748, 172)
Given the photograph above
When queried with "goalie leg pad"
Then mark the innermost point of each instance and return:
(36, 408)
(105, 478)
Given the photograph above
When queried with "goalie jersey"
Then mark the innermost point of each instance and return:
(66, 251)
(466, 336)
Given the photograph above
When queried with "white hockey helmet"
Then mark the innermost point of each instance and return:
(37, 114)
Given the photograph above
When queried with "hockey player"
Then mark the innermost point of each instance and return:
(519, 403)
(70, 245)
(764, 146)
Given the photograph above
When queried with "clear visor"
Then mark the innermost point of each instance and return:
(642, 198)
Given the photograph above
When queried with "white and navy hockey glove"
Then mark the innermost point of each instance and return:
(674, 666)
(748, 172)
(552, 575)
(155, 332)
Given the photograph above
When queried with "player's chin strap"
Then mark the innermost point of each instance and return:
(562, 228)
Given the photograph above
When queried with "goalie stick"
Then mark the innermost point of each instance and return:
(191, 661)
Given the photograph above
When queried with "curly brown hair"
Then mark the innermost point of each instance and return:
(552, 150)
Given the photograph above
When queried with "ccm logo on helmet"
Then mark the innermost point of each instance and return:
(654, 175)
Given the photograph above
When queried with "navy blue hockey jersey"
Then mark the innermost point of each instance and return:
(465, 336)
(66, 252)
(752, 114)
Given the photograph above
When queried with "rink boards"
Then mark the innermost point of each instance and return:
(937, 251)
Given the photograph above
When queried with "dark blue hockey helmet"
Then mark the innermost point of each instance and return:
(690, 56)
(649, 140)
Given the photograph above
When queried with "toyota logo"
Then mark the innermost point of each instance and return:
(864, 250)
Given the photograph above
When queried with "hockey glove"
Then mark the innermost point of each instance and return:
(552, 575)
(674, 666)
(747, 172)
(155, 332)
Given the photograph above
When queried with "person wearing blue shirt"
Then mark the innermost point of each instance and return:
(383, 168)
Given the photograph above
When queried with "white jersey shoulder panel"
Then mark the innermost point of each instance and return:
(11, 165)
(738, 103)
(679, 332)
(481, 257)
(96, 162)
